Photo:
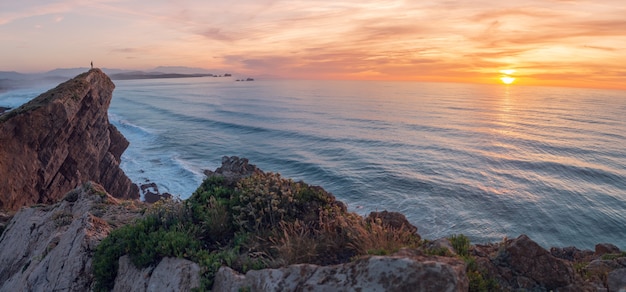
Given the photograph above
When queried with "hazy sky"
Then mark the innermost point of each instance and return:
(553, 42)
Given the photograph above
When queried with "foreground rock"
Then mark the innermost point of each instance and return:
(376, 273)
(60, 139)
(522, 264)
(171, 274)
(50, 248)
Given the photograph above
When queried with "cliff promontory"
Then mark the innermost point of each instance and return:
(59, 140)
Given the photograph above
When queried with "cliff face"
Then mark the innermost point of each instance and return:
(60, 139)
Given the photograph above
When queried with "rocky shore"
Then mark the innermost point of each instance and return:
(70, 221)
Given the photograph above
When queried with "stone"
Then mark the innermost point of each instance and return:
(151, 194)
(50, 248)
(376, 273)
(572, 253)
(604, 248)
(171, 274)
(525, 257)
(233, 168)
(394, 220)
(616, 280)
(59, 140)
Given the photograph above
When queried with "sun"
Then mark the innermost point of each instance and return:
(507, 79)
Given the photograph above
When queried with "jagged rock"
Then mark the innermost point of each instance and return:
(151, 194)
(526, 257)
(171, 274)
(374, 273)
(233, 168)
(59, 140)
(571, 253)
(392, 219)
(3, 109)
(604, 248)
(616, 280)
(50, 248)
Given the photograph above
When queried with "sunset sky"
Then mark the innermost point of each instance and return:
(546, 42)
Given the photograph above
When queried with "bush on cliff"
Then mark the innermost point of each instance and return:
(258, 221)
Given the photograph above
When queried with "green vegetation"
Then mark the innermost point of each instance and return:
(257, 222)
(62, 218)
(612, 256)
(478, 281)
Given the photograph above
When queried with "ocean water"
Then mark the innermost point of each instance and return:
(487, 161)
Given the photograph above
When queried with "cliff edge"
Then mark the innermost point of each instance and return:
(59, 140)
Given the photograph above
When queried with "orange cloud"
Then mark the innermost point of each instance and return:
(556, 42)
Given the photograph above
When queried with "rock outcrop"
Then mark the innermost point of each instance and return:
(171, 274)
(50, 248)
(59, 140)
(376, 273)
(521, 264)
(233, 168)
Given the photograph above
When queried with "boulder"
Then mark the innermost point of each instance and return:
(526, 258)
(376, 273)
(171, 274)
(571, 253)
(233, 168)
(604, 248)
(616, 280)
(394, 220)
(59, 140)
(151, 194)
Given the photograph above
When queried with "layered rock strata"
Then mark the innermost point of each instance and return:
(59, 140)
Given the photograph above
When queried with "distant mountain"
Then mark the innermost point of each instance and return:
(11, 75)
(184, 70)
(11, 79)
(152, 75)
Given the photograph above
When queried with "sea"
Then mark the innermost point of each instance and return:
(486, 161)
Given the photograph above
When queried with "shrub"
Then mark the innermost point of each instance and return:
(259, 221)
(62, 218)
(461, 244)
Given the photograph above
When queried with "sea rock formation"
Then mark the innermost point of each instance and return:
(233, 168)
(59, 140)
(376, 273)
(50, 248)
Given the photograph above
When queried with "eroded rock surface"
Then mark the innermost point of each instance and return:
(171, 274)
(376, 273)
(59, 140)
(50, 248)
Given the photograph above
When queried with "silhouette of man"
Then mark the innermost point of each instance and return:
(91, 64)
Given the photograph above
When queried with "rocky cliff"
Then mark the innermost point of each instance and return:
(50, 247)
(59, 140)
(54, 248)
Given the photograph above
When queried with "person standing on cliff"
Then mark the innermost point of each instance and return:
(91, 64)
